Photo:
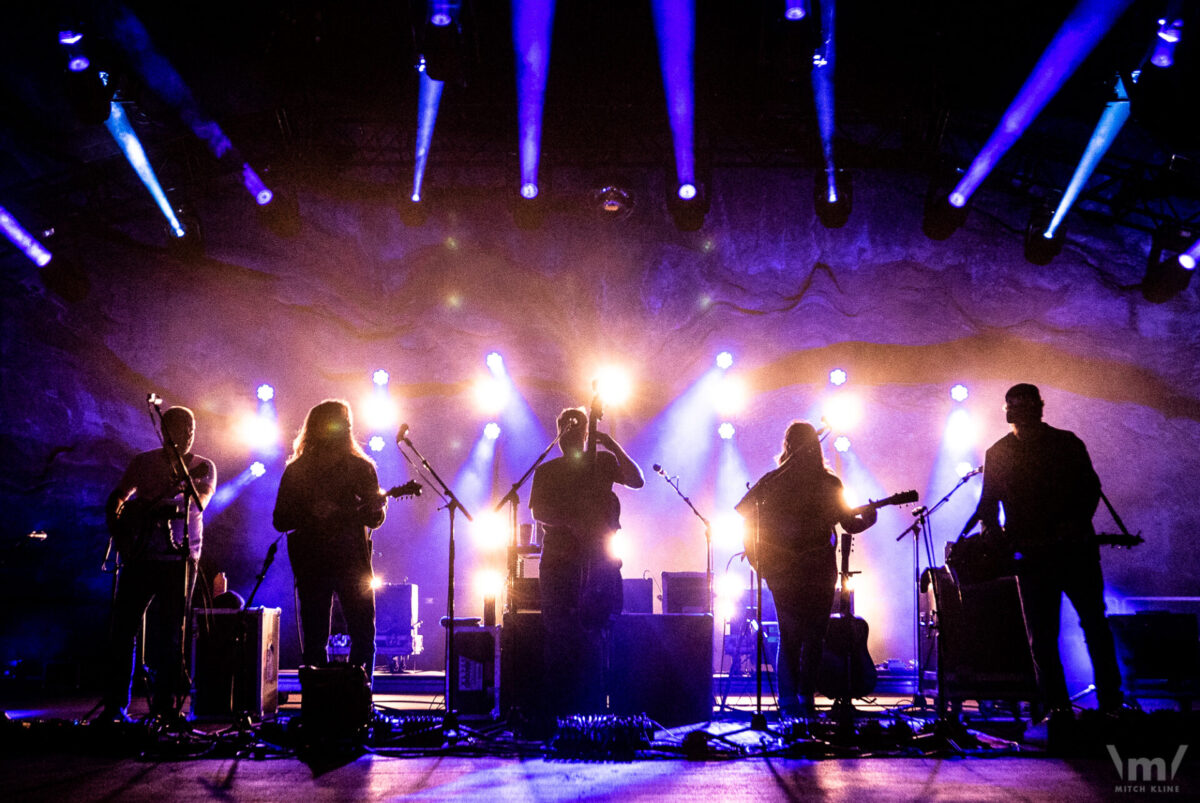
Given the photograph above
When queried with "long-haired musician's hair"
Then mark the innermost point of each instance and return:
(801, 448)
(328, 430)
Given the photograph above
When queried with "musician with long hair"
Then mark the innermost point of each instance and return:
(329, 499)
(790, 517)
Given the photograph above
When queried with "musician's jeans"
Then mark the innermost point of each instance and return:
(1079, 577)
(803, 601)
(138, 584)
(317, 580)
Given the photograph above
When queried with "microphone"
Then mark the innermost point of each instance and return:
(154, 399)
(402, 435)
(658, 469)
(973, 472)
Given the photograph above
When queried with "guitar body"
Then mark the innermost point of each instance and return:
(847, 670)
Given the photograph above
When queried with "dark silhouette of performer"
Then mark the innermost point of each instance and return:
(580, 582)
(146, 513)
(329, 499)
(1045, 482)
(795, 508)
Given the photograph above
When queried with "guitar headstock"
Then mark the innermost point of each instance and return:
(902, 498)
(410, 488)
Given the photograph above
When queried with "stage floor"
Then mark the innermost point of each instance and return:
(882, 751)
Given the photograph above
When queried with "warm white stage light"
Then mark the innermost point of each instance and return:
(728, 530)
(843, 411)
(725, 431)
(490, 531)
(259, 432)
(614, 385)
(380, 412)
(491, 394)
(376, 582)
(961, 431)
(618, 546)
(489, 583)
(729, 395)
(495, 362)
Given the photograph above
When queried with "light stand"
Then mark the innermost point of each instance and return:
(450, 729)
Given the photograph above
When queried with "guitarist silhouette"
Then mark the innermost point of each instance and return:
(572, 499)
(796, 507)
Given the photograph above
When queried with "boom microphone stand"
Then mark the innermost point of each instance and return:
(708, 567)
(450, 727)
(922, 533)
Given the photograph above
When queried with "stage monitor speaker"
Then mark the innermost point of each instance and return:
(476, 680)
(335, 702)
(639, 595)
(662, 666)
(685, 592)
(522, 676)
(1157, 646)
(229, 675)
(983, 649)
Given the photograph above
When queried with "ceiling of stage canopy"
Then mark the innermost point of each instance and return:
(913, 81)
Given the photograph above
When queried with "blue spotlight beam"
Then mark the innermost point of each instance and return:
(166, 82)
(429, 99)
(118, 125)
(822, 81)
(533, 25)
(675, 27)
(1116, 112)
(1076, 38)
(23, 240)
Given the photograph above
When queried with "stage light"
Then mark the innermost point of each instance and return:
(675, 30)
(1079, 34)
(376, 582)
(833, 198)
(78, 64)
(532, 26)
(1041, 246)
(377, 443)
(429, 99)
(959, 393)
(796, 10)
(265, 392)
(724, 360)
(961, 431)
(380, 412)
(490, 531)
(963, 469)
(259, 432)
(440, 19)
(843, 410)
(23, 240)
(1170, 31)
(842, 444)
(943, 214)
(69, 37)
(838, 377)
(491, 395)
(119, 127)
(729, 395)
(728, 530)
(529, 190)
(1167, 269)
(495, 363)
(380, 377)
(618, 546)
(725, 431)
(730, 585)
(613, 203)
(491, 430)
(614, 385)
(255, 186)
(257, 469)
(489, 583)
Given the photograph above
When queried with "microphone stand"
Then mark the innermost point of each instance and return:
(922, 533)
(708, 567)
(450, 729)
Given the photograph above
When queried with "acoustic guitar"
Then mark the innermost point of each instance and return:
(847, 670)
